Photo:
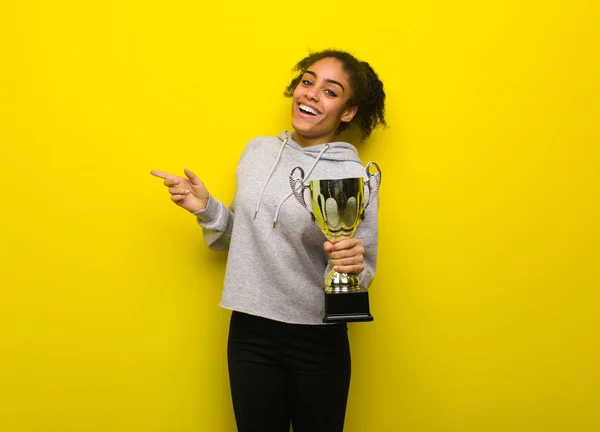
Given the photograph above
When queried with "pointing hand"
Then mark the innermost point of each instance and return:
(188, 192)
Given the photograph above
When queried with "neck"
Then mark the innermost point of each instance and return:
(305, 141)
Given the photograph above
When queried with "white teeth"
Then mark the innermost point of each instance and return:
(308, 109)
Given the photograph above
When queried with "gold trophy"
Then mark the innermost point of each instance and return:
(337, 208)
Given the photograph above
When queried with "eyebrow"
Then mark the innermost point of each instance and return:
(327, 80)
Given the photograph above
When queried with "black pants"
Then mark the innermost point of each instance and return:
(281, 373)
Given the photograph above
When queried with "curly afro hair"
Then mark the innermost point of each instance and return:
(367, 89)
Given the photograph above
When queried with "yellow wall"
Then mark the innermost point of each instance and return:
(486, 300)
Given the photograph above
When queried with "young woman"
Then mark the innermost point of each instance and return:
(285, 365)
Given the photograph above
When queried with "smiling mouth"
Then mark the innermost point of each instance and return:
(308, 110)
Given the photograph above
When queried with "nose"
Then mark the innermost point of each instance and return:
(312, 93)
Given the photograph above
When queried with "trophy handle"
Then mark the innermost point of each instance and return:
(298, 187)
(373, 182)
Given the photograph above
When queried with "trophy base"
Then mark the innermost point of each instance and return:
(347, 307)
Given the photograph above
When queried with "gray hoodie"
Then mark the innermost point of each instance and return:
(277, 264)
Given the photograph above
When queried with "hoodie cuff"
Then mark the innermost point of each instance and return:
(366, 278)
(210, 214)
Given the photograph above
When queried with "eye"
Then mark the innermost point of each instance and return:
(306, 82)
(330, 93)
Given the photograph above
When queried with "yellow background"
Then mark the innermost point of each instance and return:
(486, 300)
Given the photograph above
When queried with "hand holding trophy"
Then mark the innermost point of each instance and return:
(338, 207)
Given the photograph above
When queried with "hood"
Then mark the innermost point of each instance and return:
(336, 151)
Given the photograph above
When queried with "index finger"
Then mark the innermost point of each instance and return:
(161, 174)
(346, 243)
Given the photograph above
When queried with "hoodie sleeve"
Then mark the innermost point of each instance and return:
(216, 221)
(367, 232)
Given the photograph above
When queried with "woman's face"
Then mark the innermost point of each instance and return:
(320, 102)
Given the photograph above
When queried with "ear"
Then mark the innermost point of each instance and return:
(349, 114)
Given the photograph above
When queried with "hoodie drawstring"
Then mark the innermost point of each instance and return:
(325, 148)
(270, 174)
